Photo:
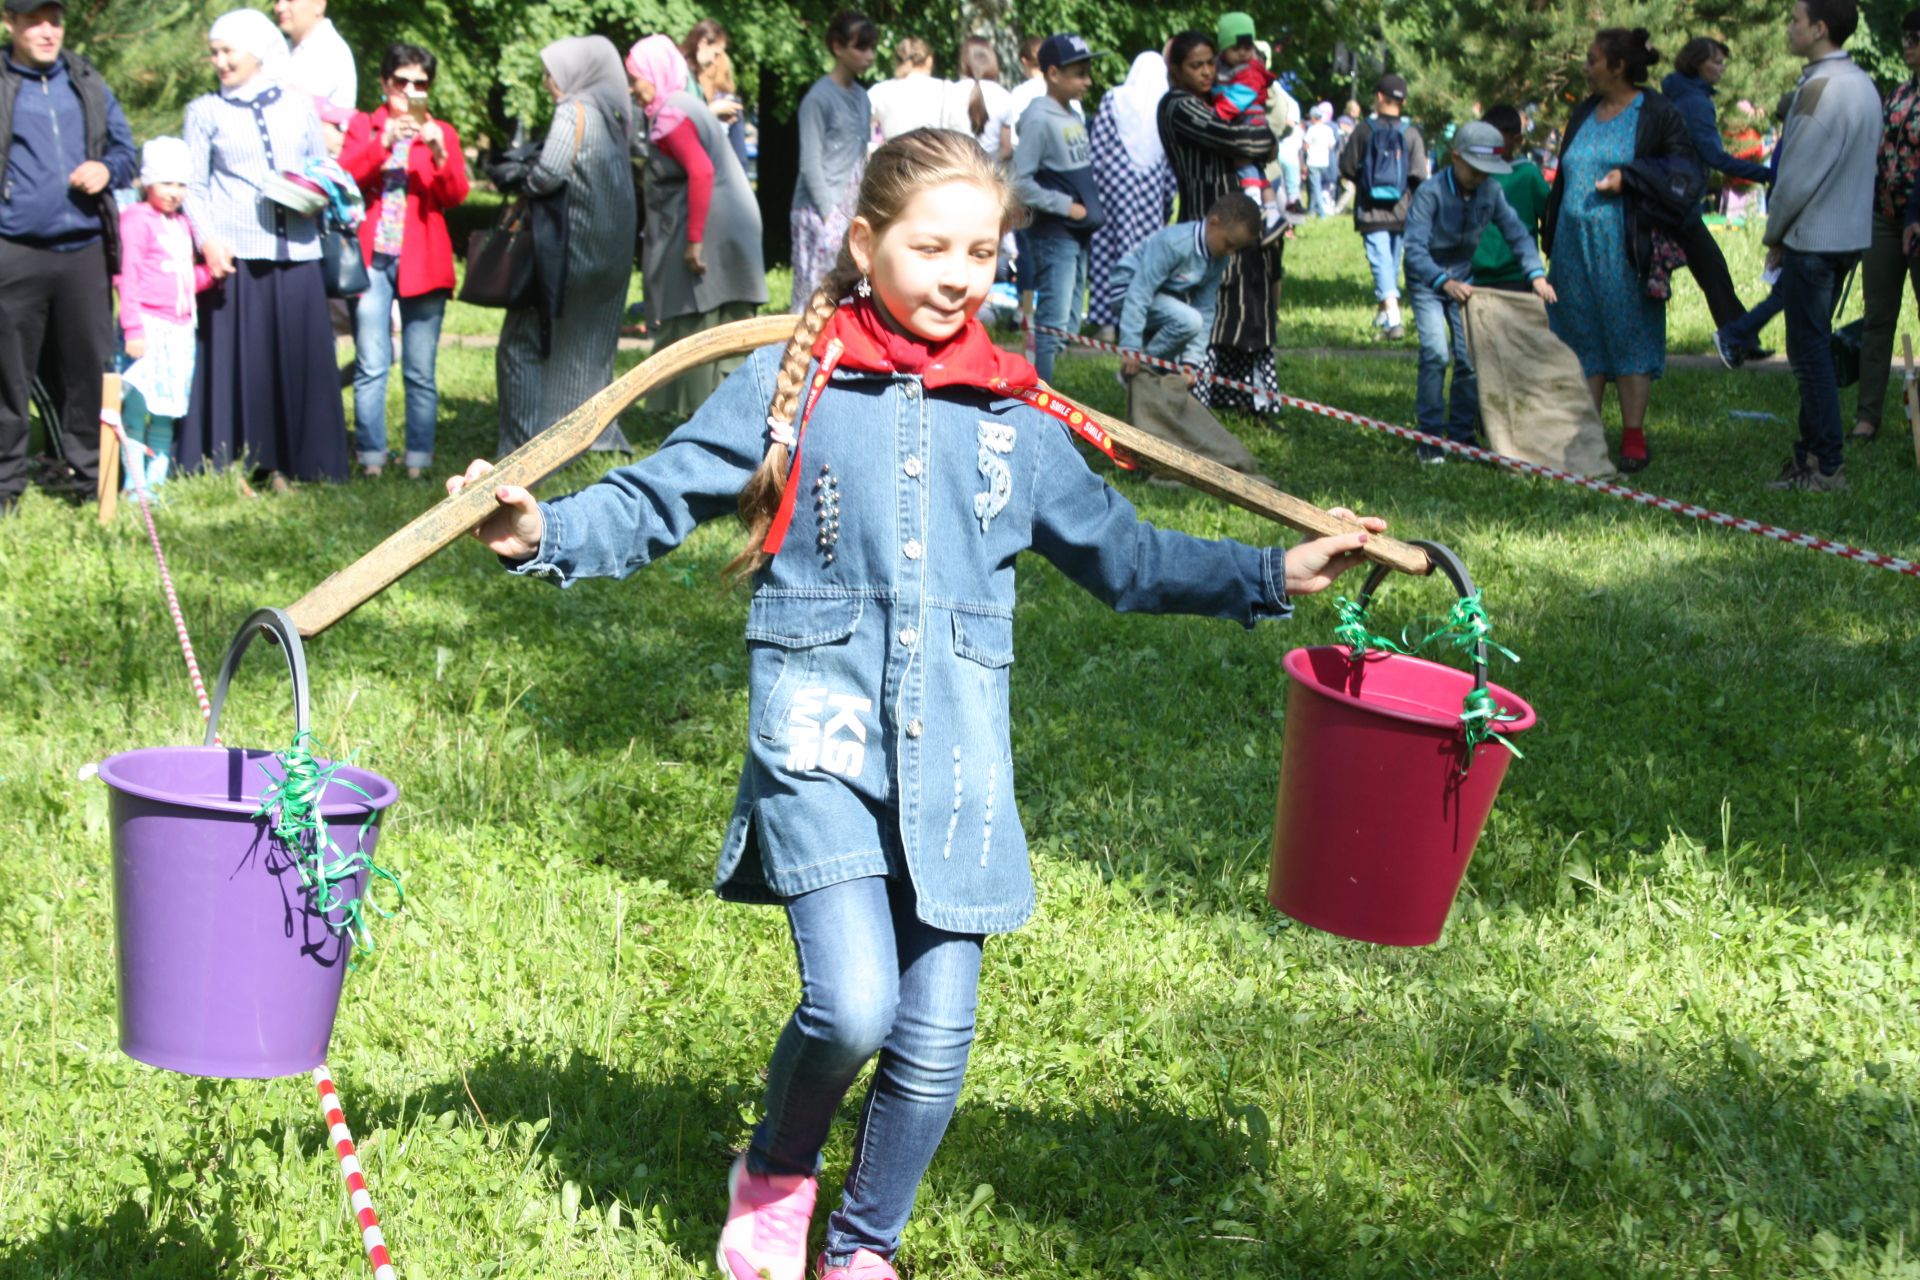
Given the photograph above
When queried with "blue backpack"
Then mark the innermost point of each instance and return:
(1384, 175)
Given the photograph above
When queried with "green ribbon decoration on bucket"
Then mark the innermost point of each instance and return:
(291, 804)
(1463, 627)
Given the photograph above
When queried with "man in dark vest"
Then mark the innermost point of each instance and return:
(64, 146)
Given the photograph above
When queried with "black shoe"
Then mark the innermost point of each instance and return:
(1631, 464)
(1430, 453)
(1757, 353)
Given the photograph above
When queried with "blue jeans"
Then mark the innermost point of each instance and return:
(1809, 288)
(1384, 252)
(873, 979)
(1443, 337)
(1173, 331)
(373, 356)
(1060, 293)
(1290, 177)
(1744, 334)
(1320, 203)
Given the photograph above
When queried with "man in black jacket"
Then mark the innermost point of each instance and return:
(64, 145)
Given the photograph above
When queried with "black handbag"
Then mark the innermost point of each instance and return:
(1847, 341)
(340, 262)
(500, 262)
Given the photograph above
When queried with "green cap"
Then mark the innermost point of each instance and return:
(1235, 27)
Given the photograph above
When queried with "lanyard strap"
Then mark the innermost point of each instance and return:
(777, 531)
(1071, 415)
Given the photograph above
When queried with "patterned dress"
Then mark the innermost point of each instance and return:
(1604, 314)
(1138, 203)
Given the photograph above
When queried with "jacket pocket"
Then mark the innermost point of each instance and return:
(983, 638)
(784, 634)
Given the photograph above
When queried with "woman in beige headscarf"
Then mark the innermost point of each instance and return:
(550, 360)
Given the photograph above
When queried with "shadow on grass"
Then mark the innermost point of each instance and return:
(126, 1246)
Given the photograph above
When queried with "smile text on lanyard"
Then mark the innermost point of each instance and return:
(1073, 416)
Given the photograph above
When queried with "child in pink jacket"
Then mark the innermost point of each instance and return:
(158, 281)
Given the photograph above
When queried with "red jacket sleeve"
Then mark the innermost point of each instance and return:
(447, 183)
(361, 154)
(683, 144)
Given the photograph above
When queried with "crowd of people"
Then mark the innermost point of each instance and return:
(225, 242)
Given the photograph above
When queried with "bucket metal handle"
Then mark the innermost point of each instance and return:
(1455, 569)
(277, 624)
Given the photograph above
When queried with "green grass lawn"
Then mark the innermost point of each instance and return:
(1671, 1030)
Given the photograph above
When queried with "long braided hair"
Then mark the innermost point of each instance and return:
(913, 162)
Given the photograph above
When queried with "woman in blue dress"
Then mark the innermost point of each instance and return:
(1601, 250)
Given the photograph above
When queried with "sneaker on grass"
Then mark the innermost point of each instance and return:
(767, 1218)
(1799, 477)
(864, 1265)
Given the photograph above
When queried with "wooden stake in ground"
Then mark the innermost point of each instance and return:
(1910, 395)
(109, 482)
(446, 521)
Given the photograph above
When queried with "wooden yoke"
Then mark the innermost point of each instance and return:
(445, 522)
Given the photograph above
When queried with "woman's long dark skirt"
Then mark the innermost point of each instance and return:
(265, 385)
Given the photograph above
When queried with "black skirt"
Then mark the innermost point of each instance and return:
(265, 386)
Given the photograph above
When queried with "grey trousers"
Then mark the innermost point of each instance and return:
(1884, 273)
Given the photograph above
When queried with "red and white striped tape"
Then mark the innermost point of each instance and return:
(1694, 511)
(354, 1177)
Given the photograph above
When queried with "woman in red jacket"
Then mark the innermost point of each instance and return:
(410, 170)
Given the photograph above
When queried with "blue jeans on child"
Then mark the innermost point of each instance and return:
(873, 979)
(1385, 250)
(1443, 337)
(1171, 328)
(1318, 201)
(373, 356)
(1060, 293)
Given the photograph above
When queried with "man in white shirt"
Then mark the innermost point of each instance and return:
(322, 64)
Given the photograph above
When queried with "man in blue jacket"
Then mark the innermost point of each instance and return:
(1445, 224)
(64, 145)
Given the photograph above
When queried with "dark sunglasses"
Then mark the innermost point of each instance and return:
(414, 82)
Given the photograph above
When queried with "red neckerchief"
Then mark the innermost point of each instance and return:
(855, 337)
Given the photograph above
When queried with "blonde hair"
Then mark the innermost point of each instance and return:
(911, 52)
(913, 162)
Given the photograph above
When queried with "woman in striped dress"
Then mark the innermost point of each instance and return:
(586, 151)
(1206, 151)
(264, 384)
(1131, 172)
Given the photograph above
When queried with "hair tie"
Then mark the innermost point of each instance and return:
(781, 432)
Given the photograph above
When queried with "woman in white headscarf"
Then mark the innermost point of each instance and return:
(552, 358)
(265, 386)
(1131, 172)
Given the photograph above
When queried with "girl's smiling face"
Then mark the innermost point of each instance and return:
(167, 197)
(932, 266)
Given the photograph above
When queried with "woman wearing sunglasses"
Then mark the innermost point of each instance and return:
(410, 170)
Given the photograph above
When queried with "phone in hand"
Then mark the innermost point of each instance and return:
(417, 107)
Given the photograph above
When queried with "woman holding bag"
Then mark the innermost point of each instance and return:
(548, 365)
(410, 170)
(265, 387)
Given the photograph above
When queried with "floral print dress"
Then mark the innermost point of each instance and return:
(1899, 161)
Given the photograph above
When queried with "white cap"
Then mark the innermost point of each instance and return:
(164, 160)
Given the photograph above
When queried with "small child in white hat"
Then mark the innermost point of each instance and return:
(158, 280)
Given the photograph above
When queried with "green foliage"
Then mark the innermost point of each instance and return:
(1459, 54)
(1671, 1030)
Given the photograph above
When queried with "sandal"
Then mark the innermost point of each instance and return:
(1857, 436)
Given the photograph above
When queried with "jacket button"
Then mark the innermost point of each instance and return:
(911, 466)
(912, 549)
(909, 636)
(911, 390)
(913, 728)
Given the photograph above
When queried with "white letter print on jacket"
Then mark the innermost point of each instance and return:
(995, 438)
(839, 747)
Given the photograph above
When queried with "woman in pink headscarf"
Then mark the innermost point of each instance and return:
(702, 264)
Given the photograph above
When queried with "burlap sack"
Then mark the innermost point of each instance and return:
(1162, 404)
(1533, 398)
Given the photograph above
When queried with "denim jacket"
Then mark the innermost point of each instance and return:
(1445, 225)
(1173, 260)
(879, 639)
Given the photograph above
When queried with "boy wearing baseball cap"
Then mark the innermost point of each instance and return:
(1053, 175)
(1445, 222)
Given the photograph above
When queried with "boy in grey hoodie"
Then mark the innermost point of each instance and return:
(1819, 220)
(1053, 175)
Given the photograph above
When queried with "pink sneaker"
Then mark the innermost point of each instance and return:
(866, 1265)
(767, 1218)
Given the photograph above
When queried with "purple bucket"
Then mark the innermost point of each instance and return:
(226, 968)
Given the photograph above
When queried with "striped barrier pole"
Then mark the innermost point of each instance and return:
(353, 1176)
